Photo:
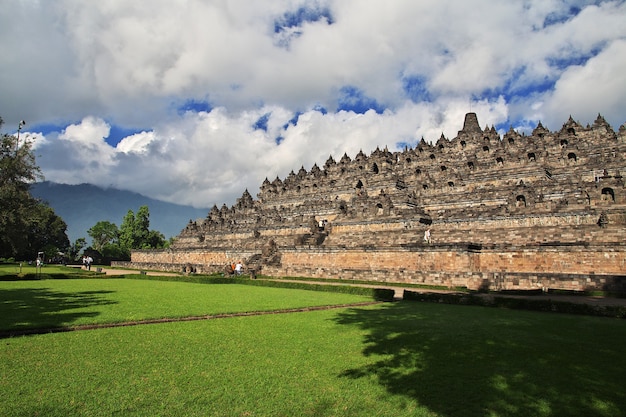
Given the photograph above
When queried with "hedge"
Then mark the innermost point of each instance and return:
(543, 305)
(378, 294)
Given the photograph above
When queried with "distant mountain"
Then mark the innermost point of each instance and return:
(82, 206)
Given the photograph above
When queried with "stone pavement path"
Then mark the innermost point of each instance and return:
(115, 271)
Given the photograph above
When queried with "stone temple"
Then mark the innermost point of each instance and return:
(545, 211)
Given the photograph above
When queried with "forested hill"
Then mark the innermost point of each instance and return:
(82, 206)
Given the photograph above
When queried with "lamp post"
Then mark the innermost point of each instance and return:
(19, 128)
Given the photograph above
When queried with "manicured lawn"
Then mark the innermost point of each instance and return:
(30, 271)
(75, 302)
(390, 359)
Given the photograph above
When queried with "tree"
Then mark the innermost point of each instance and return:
(76, 247)
(135, 232)
(46, 232)
(156, 240)
(26, 224)
(103, 233)
(142, 228)
(114, 251)
(127, 232)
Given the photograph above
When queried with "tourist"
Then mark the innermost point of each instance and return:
(427, 236)
(238, 268)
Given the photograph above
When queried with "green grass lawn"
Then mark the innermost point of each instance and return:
(24, 270)
(389, 359)
(75, 302)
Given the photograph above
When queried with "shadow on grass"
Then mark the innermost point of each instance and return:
(35, 310)
(473, 361)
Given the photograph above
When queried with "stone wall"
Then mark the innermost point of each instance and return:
(576, 268)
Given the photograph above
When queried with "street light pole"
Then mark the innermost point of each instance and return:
(19, 128)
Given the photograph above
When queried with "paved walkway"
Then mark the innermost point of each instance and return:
(114, 271)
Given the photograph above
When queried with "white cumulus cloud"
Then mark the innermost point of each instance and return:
(192, 101)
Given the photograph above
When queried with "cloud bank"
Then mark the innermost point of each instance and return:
(192, 102)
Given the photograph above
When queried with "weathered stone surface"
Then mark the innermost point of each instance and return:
(545, 210)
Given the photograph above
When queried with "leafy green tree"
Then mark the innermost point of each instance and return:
(127, 232)
(142, 228)
(114, 251)
(46, 232)
(103, 233)
(26, 224)
(76, 247)
(135, 231)
(156, 240)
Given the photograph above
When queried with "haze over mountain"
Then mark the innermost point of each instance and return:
(82, 206)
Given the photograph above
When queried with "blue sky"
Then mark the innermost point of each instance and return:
(192, 102)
